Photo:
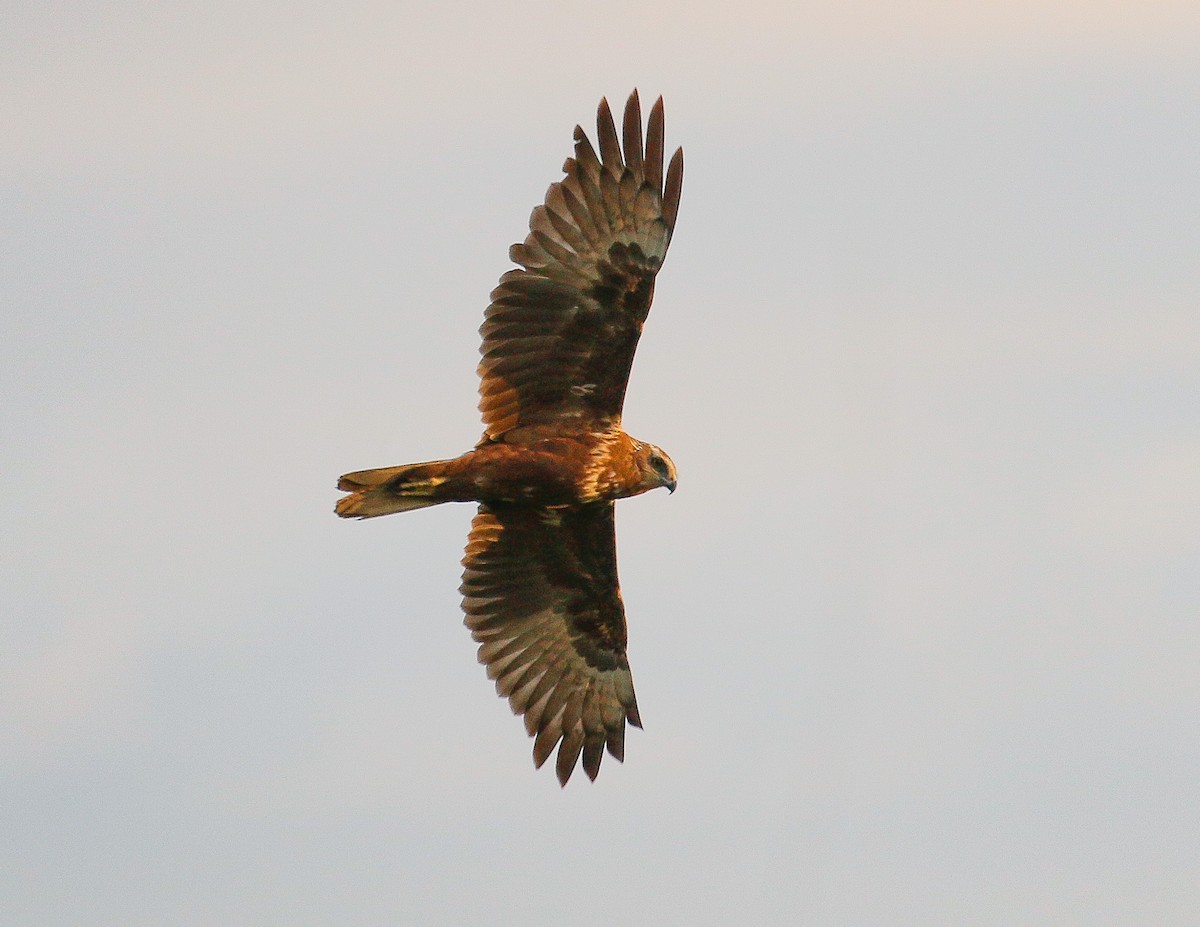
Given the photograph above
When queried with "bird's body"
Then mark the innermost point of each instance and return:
(540, 587)
(539, 465)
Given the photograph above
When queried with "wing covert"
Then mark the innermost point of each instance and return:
(541, 598)
(561, 331)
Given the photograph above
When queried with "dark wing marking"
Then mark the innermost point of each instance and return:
(559, 335)
(541, 598)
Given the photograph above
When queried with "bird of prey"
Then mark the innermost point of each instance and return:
(539, 585)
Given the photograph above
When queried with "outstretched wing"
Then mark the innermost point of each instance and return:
(559, 335)
(541, 598)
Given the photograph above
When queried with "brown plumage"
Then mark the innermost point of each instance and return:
(540, 586)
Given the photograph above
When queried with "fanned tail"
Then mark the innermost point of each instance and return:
(391, 489)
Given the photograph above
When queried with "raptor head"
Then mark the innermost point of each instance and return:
(656, 467)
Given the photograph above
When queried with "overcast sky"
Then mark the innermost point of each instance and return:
(915, 642)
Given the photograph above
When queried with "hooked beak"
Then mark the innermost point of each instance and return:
(670, 484)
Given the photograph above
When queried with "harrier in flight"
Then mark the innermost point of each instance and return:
(539, 584)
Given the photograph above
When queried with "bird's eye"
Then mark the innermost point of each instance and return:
(659, 465)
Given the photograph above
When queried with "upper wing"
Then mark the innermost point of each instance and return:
(541, 598)
(559, 335)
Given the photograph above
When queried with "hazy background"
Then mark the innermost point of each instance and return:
(917, 640)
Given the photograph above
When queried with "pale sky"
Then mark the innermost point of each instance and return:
(915, 642)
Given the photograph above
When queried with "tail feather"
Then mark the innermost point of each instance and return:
(390, 489)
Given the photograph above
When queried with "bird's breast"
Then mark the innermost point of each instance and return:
(550, 470)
